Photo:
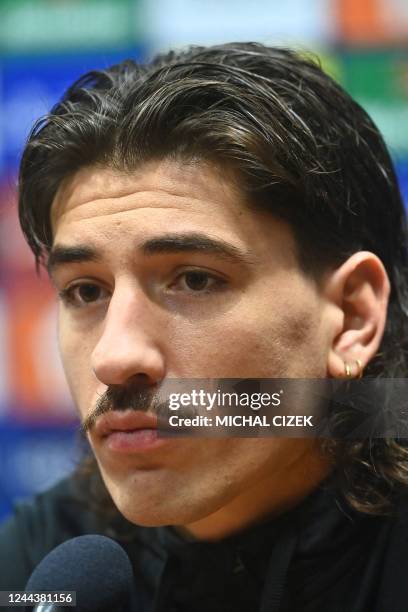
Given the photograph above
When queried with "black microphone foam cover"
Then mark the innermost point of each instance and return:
(94, 566)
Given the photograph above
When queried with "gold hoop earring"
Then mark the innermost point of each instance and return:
(347, 369)
(359, 368)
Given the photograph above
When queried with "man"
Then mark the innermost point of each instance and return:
(227, 212)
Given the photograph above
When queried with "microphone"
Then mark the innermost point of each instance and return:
(94, 566)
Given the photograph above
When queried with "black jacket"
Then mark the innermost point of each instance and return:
(319, 557)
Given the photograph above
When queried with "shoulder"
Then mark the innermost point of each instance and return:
(399, 523)
(36, 527)
(393, 588)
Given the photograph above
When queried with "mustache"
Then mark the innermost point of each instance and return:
(118, 397)
(132, 397)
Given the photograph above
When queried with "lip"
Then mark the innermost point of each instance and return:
(127, 420)
(129, 431)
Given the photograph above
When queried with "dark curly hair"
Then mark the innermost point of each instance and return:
(300, 147)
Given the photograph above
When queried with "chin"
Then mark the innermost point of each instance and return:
(156, 509)
(150, 514)
(156, 498)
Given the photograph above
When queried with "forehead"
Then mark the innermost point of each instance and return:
(98, 191)
(108, 207)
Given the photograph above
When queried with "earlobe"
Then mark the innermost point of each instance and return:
(344, 369)
(362, 288)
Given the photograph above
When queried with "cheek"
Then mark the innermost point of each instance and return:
(75, 356)
(282, 331)
(265, 335)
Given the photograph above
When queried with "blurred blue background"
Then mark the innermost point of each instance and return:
(44, 46)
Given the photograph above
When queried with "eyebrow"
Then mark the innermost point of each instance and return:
(166, 244)
(64, 254)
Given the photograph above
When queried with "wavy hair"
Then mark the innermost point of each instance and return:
(299, 146)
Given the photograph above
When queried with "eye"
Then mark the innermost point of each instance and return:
(198, 281)
(83, 294)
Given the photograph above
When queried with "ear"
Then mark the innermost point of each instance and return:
(359, 290)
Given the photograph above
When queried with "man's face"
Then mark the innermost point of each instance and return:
(144, 306)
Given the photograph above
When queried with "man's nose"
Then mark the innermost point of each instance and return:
(128, 346)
